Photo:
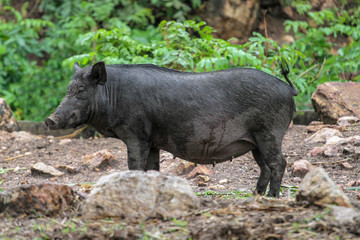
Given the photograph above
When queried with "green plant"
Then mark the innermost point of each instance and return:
(32, 79)
(226, 195)
(324, 57)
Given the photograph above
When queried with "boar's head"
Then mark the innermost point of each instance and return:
(75, 108)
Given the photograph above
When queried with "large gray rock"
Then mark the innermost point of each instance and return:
(7, 119)
(317, 188)
(139, 195)
(333, 100)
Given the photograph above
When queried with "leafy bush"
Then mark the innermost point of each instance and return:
(32, 79)
(325, 58)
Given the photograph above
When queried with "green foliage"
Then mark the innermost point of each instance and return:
(325, 58)
(225, 195)
(32, 79)
(187, 46)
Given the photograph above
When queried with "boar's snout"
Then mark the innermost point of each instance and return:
(52, 122)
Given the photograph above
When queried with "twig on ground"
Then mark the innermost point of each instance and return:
(12, 158)
(339, 161)
(73, 134)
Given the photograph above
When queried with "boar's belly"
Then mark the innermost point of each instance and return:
(208, 154)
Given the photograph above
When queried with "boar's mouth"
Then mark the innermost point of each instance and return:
(53, 122)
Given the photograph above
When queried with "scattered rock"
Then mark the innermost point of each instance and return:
(24, 136)
(200, 170)
(224, 181)
(347, 165)
(353, 183)
(7, 119)
(317, 188)
(323, 135)
(173, 166)
(333, 100)
(217, 187)
(65, 141)
(315, 126)
(348, 121)
(67, 168)
(140, 195)
(301, 167)
(337, 145)
(330, 150)
(316, 151)
(202, 180)
(99, 159)
(42, 168)
(47, 199)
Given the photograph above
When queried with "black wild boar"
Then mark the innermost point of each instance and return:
(205, 118)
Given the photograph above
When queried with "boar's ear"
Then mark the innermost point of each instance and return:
(76, 66)
(98, 73)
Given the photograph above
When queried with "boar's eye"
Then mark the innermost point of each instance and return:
(81, 89)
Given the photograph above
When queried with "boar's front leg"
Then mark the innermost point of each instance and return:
(153, 162)
(138, 153)
(142, 157)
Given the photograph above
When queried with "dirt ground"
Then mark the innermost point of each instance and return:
(227, 211)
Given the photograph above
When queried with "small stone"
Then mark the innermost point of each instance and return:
(347, 120)
(353, 183)
(67, 168)
(217, 186)
(331, 151)
(42, 168)
(17, 169)
(200, 170)
(301, 168)
(65, 141)
(224, 181)
(316, 151)
(347, 165)
(204, 178)
(99, 159)
(317, 188)
(172, 166)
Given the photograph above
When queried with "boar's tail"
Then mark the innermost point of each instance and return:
(285, 71)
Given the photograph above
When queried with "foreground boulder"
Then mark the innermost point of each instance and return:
(333, 100)
(139, 195)
(47, 199)
(317, 188)
(7, 119)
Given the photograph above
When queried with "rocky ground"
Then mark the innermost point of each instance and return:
(227, 209)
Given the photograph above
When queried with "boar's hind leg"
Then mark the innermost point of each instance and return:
(269, 157)
(153, 162)
(265, 173)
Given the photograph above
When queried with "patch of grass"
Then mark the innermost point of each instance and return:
(4, 170)
(226, 195)
(291, 190)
